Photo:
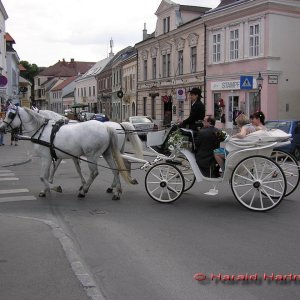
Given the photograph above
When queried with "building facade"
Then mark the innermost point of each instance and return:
(246, 39)
(171, 61)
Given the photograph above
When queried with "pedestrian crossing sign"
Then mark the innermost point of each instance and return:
(246, 82)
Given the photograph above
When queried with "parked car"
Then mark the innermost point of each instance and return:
(292, 127)
(85, 116)
(100, 117)
(142, 125)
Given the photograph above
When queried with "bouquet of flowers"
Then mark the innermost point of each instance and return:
(177, 140)
(221, 135)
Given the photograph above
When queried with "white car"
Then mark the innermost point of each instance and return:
(142, 124)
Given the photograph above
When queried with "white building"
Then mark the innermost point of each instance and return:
(86, 86)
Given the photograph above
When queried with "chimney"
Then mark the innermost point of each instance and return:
(111, 44)
(72, 60)
(144, 32)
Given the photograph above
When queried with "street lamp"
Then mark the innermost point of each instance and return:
(259, 81)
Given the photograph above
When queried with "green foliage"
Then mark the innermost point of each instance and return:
(31, 70)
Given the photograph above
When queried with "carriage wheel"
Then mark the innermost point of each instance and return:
(258, 183)
(290, 167)
(184, 166)
(164, 183)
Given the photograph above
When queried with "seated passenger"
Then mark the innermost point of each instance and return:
(245, 127)
(206, 140)
(258, 120)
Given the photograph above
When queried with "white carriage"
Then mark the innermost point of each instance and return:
(259, 176)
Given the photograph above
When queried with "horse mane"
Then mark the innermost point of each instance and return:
(35, 117)
(49, 114)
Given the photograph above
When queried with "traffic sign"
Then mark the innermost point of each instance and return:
(246, 82)
(3, 81)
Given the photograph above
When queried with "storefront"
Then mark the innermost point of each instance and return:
(231, 97)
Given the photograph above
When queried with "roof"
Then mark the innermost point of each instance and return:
(69, 95)
(64, 83)
(9, 38)
(22, 68)
(229, 3)
(67, 69)
(97, 67)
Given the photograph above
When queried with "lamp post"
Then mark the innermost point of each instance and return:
(259, 81)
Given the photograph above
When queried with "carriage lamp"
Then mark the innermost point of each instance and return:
(259, 81)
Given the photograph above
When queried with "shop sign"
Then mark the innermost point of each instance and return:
(273, 79)
(225, 85)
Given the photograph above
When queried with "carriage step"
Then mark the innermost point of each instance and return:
(212, 192)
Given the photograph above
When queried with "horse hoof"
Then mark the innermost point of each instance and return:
(134, 181)
(109, 190)
(81, 195)
(42, 194)
(115, 197)
(57, 189)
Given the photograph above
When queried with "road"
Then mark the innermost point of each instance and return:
(137, 248)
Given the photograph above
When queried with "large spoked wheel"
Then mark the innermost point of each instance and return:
(184, 166)
(164, 183)
(258, 183)
(290, 167)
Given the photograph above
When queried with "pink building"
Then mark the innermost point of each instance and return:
(244, 39)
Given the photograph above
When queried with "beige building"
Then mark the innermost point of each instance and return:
(171, 61)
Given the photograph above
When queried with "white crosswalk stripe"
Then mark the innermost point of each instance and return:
(6, 175)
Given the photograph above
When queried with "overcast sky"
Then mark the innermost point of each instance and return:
(48, 31)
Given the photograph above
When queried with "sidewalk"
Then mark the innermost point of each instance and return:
(14, 154)
(38, 261)
(33, 264)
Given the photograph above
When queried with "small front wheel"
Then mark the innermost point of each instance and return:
(164, 183)
(258, 183)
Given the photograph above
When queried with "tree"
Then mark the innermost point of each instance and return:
(31, 71)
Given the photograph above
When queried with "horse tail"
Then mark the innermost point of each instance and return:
(117, 155)
(134, 139)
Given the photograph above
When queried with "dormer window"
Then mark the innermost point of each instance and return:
(166, 24)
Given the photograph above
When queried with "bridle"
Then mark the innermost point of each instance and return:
(12, 113)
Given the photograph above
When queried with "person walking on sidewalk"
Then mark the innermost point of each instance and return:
(1, 134)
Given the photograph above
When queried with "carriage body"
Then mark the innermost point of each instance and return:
(257, 181)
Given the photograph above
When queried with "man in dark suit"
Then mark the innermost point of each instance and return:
(197, 110)
(206, 140)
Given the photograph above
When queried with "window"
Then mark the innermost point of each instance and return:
(94, 90)
(254, 40)
(166, 65)
(166, 24)
(217, 108)
(90, 91)
(216, 47)
(145, 106)
(154, 68)
(145, 69)
(234, 44)
(193, 59)
(180, 62)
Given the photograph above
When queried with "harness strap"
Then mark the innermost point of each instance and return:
(55, 129)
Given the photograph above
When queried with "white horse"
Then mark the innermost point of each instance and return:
(124, 130)
(90, 139)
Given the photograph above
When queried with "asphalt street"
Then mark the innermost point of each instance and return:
(136, 248)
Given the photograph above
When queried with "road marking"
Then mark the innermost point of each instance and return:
(17, 198)
(13, 191)
(9, 179)
(7, 174)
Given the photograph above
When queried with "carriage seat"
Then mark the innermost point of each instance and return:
(189, 133)
(258, 138)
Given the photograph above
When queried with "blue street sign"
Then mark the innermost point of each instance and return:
(246, 82)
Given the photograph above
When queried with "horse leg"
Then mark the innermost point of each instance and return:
(93, 174)
(116, 183)
(53, 169)
(44, 176)
(78, 169)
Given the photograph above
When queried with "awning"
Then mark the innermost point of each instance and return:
(79, 105)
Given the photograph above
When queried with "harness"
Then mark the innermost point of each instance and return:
(55, 128)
